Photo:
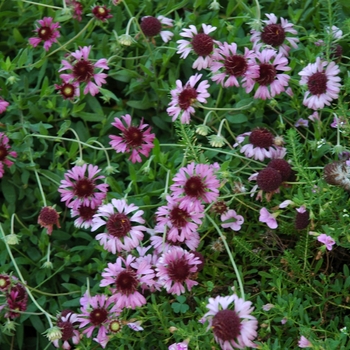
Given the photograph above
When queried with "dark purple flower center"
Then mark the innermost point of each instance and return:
(48, 216)
(83, 71)
(45, 33)
(101, 12)
(317, 83)
(118, 225)
(179, 270)
(84, 188)
(226, 325)
(261, 138)
(267, 74)
(219, 207)
(3, 152)
(236, 65)
(273, 34)
(202, 44)
(133, 136)
(66, 329)
(86, 212)
(179, 217)
(194, 187)
(98, 316)
(67, 90)
(151, 26)
(127, 282)
(186, 97)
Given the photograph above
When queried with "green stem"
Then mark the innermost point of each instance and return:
(36, 3)
(38, 180)
(225, 109)
(79, 143)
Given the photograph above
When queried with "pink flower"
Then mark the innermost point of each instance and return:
(304, 343)
(83, 70)
(67, 322)
(133, 139)
(176, 268)
(47, 32)
(268, 307)
(77, 8)
(179, 346)
(16, 298)
(3, 105)
(185, 97)
(85, 215)
(120, 234)
(135, 326)
(233, 328)
(126, 280)
(268, 218)
(152, 26)
(102, 13)
(275, 35)
(68, 90)
(200, 43)
(322, 83)
(328, 241)
(338, 122)
(195, 183)
(270, 81)
(228, 64)
(302, 122)
(47, 218)
(232, 220)
(314, 117)
(4, 153)
(78, 189)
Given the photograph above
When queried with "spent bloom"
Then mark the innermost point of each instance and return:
(184, 97)
(67, 321)
(322, 83)
(4, 153)
(275, 35)
(77, 9)
(102, 13)
(82, 70)
(3, 105)
(78, 189)
(47, 218)
(119, 233)
(233, 328)
(152, 26)
(16, 298)
(232, 220)
(268, 218)
(304, 342)
(135, 139)
(328, 241)
(47, 32)
(202, 44)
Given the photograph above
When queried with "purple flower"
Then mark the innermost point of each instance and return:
(102, 13)
(314, 117)
(67, 322)
(328, 241)
(268, 218)
(3, 105)
(4, 153)
(68, 90)
(322, 83)
(302, 122)
(152, 26)
(304, 342)
(338, 122)
(85, 215)
(179, 346)
(232, 220)
(184, 97)
(47, 32)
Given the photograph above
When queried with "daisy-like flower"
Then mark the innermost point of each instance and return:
(152, 26)
(4, 153)
(271, 82)
(322, 83)
(120, 234)
(85, 215)
(67, 322)
(195, 183)
(328, 241)
(175, 268)
(275, 35)
(78, 189)
(3, 105)
(267, 218)
(233, 328)
(82, 70)
(126, 280)
(184, 97)
(230, 66)
(200, 43)
(47, 218)
(102, 13)
(181, 223)
(232, 220)
(304, 343)
(135, 139)
(47, 32)
(68, 90)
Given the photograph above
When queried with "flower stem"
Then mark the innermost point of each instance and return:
(36, 3)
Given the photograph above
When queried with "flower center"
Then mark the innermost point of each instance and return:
(179, 270)
(3, 152)
(151, 26)
(67, 90)
(133, 136)
(86, 212)
(226, 325)
(115, 326)
(261, 138)
(273, 34)
(194, 187)
(98, 316)
(83, 71)
(4, 282)
(236, 65)
(267, 74)
(179, 217)
(84, 188)
(317, 83)
(48, 216)
(45, 33)
(66, 329)
(127, 282)
(202, 44)
(100, 12)
(118, 225)
(187, 97)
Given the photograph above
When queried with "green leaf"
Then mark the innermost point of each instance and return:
(9, 191)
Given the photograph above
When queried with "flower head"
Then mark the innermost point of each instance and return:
(102, 13)
(78, 189)
(3, 105)
(135, 139)
(152, 26)
(119, 234)
(68, 90)
(67, 322)
(302, 218)
(232, 220)
(268, 218)
(328, 241)
(47, 218)
(4, 153)
(85, 215)
(202, 44)
(16, 298)
(304, 342)
(47, 32)
(233, 328)
(77, 9)
(185, 97)
(322, 83)
(82, 70)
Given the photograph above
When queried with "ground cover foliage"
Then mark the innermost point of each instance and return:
(178, 181)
